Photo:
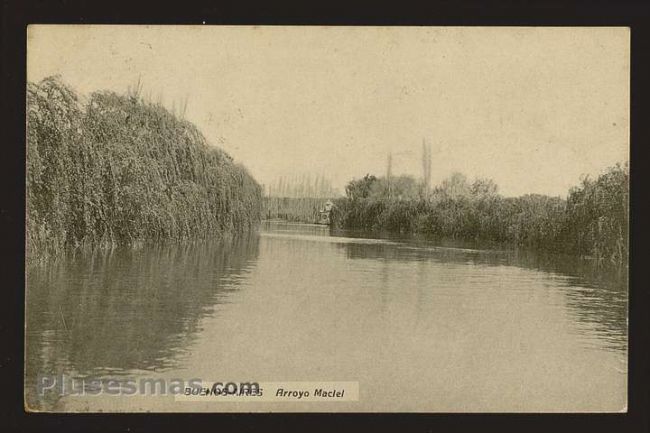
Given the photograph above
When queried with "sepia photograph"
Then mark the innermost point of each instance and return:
(376, 219)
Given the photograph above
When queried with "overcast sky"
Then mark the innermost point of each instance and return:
(531, 108)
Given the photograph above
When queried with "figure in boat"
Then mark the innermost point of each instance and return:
(324, 213)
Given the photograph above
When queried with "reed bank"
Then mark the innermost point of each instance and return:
(111, 169)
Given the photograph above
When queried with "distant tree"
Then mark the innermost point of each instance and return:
(426, 168)
(456, 186)
(401, 188)
(483, 187)
(361, 188)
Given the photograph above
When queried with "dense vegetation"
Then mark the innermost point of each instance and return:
(592, 221)
(114, 169)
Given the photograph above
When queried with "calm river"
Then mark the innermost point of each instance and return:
(420, 327)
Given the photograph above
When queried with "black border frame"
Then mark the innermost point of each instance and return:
(17, 14)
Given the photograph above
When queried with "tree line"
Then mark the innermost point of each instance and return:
(300, 186)
(592, 221)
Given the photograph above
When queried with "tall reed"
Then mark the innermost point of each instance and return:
(112, 169)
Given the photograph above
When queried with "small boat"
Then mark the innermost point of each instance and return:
(324, 213)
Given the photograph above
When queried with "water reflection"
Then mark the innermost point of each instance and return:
(484, 329)
(126, 310)
(595, 292)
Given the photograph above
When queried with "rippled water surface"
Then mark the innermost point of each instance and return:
(421, 327)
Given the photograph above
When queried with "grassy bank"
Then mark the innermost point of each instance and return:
(592, 221)
(112, 169)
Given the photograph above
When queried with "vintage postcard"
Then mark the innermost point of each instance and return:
(326, 219)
